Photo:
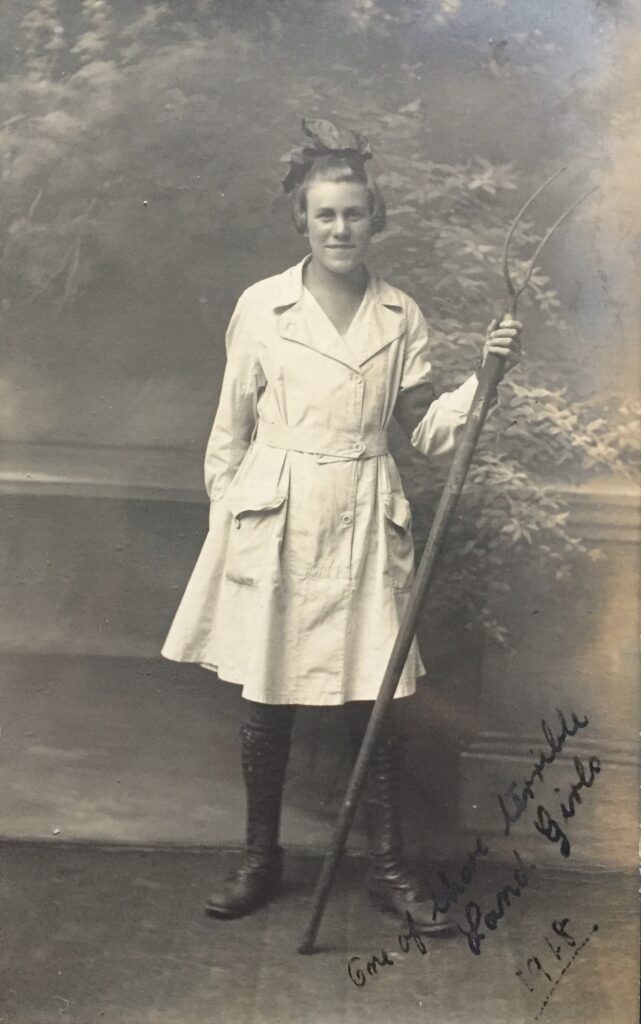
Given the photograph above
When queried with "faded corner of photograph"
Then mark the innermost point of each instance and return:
(320, 422)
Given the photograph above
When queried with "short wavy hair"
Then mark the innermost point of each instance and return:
(339, 169)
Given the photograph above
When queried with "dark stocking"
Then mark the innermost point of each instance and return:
(265, 733)
(392, 886)
(265, 741)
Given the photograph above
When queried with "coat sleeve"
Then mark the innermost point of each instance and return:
(235, 418)
(432, 424)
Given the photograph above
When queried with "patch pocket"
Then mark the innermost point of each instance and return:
(399, 542)
(255, 538)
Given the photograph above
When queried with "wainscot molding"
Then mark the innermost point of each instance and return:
(506, 747)
(102, 471)
(600, 508)
(604, 828)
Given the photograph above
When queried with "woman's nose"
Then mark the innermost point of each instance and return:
(341, 227)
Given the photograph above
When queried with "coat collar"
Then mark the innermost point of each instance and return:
(385, 323)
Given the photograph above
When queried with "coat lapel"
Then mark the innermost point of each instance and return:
(293, 325)
(378, 322)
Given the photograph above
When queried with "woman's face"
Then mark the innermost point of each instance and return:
(339, 225)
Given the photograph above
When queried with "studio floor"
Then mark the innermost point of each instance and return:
(146, 751)
(109, 935)
(122, 801)
(136, 750)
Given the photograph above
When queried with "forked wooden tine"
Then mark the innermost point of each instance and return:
(547, 235)
(513, 292)
(513, 226)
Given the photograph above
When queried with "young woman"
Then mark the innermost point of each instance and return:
(299, 589)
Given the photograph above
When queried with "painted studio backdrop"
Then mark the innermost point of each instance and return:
(140, 154)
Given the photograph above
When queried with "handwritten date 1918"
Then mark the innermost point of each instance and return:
(537, 970)
(534, 965)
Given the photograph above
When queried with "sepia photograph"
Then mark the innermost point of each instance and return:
(320, 495)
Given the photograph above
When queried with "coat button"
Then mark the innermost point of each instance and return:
(359, 446)
(346, 519)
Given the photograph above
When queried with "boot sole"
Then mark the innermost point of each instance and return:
(446, 930)
(230, 913)
(225, 913)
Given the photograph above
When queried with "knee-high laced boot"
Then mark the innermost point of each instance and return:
(265, 736)
(391, 884)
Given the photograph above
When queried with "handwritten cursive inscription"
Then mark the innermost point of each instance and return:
(538, 969)
(359, 976)
(513, 803)
(451, 890)
(578, 949)
(491, 918)
(548, 826)
(356, 973)
(412, 934)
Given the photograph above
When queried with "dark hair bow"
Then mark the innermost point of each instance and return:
(325, 140)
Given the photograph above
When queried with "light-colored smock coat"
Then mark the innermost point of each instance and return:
(299, 588)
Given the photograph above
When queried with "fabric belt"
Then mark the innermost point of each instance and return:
(343, 445)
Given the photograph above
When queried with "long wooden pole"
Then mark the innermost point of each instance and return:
(486, 389)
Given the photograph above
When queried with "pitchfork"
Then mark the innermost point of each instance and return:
(488, 378)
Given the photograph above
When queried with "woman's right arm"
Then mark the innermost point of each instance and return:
(235, 418)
